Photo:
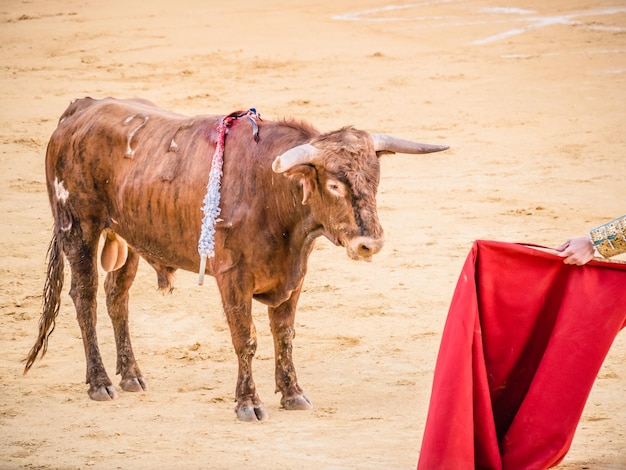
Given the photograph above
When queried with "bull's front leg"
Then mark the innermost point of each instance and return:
(238, 310)
(282, 324)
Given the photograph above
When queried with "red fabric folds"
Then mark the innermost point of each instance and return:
(523, 343)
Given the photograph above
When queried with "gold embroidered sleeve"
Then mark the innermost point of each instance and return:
(610, 239)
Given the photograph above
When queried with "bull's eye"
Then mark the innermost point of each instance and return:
(336, 188)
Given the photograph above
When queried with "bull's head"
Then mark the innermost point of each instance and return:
(339, 173)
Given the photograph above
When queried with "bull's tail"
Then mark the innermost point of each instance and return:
(51, 299)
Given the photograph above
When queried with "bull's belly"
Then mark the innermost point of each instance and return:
(159, 243)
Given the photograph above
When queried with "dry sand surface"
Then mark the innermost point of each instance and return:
(531, 97)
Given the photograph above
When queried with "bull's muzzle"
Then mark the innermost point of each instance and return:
(363, 248)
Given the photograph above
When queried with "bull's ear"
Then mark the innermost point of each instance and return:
(307, 189)
(307, 177)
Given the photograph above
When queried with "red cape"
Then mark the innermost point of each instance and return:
(523, 343)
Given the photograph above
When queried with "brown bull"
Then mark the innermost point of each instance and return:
(137, 175)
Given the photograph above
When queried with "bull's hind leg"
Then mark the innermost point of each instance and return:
(282, 325)
(116, 286)
(81, 251)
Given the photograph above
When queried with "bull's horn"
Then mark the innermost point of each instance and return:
(298, 155)
(388, 143)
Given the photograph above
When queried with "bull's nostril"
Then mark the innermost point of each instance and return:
(364, 247)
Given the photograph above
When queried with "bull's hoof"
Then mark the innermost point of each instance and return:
(103, 393)
(299, 402)
(251, 413)
(135, 384)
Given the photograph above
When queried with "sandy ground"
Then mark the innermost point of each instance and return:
(531, 98)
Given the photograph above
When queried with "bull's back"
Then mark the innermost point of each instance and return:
(142, 171)
(131, 166)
